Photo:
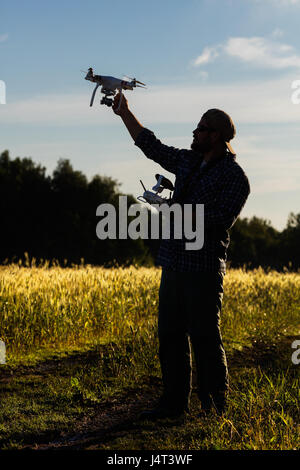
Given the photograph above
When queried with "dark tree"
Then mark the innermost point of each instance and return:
(290, 242)
(55, 217)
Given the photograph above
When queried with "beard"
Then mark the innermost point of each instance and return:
(202, 147)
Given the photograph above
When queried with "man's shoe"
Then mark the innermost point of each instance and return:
(206, 410)
(216, 403)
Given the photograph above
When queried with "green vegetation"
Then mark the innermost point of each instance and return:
(82, 360)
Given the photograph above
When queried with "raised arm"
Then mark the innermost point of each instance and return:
(133, 125)
(166, 156)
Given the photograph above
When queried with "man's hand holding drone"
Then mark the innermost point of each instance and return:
(133, 125)
(123, 106)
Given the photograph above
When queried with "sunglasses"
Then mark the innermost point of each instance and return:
(202, 128)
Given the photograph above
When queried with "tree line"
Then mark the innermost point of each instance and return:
(54, 217)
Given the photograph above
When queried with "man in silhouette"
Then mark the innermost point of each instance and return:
(191, 288)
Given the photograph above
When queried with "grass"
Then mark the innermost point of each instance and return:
(82, 359)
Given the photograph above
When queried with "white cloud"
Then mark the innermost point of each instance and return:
(57, 109)
(248, 102)
(258, 51)
(263, 52)
(209, 54)
(286, 2)
(279, 2)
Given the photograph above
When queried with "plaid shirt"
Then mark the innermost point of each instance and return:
(221, 186)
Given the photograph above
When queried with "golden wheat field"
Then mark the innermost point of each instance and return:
(83, 340)
(65, 307)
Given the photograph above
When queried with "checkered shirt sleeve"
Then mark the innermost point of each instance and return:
(166, 156)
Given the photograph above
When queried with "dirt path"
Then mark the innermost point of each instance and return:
(118, 417)
(109, 422)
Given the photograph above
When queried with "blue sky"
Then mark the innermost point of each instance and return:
(238, 55)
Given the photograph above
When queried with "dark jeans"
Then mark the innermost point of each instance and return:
(189, 312)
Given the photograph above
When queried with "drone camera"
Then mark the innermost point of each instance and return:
(107, 101)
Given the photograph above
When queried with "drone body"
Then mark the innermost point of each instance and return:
(110, 85)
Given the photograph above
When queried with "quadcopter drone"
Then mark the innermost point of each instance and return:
(154, 198)
(110, 85)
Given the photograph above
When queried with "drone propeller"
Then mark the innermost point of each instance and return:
(135, 80)
(87, 71)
